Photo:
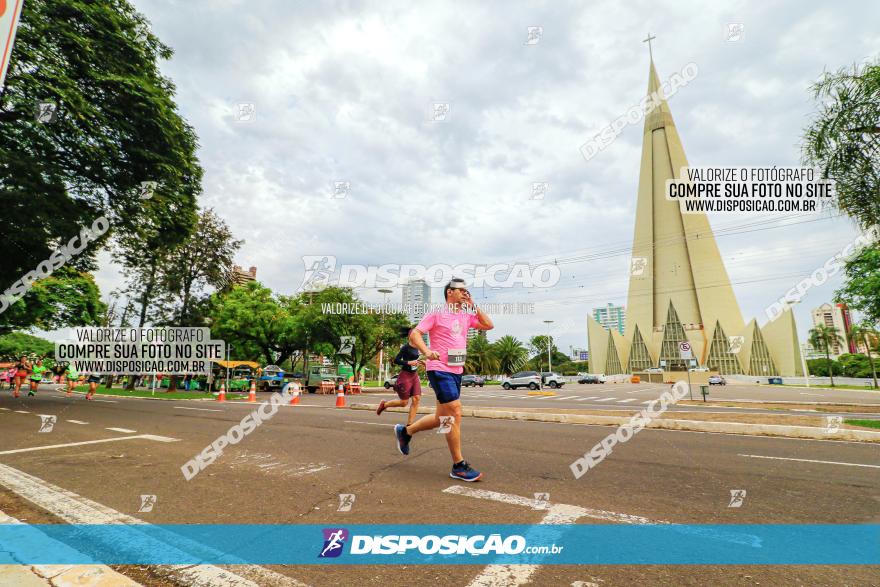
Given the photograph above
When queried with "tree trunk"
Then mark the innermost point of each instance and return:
(870, 360)
(830, 366)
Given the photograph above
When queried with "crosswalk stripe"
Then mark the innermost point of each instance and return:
(606, 399)
(566, 397)
(626, 401)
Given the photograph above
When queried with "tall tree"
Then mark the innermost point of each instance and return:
(865, 333)
(480, 357)
(199, 261)
(844, 140)
(824, 337)
(16, 344)
(257, 324)
(68, 297)
(510, 353)
(85, 118)
(371, 332)
(861, 290)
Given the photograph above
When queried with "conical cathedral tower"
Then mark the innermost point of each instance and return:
(679, 289)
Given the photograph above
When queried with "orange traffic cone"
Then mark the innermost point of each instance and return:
(340, 397)
(252, 394)
(222, 396)
(295, 400)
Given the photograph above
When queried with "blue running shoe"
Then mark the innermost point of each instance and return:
(465, 472)
(402, 439)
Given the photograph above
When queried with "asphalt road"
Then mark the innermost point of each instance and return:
(293, 468)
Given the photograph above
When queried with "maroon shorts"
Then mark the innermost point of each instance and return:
(408, 385)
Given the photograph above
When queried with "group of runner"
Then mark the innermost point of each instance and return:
(444, 361)
(32, 373)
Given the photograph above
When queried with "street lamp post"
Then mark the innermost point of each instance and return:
(801, 349)
(384, 292)
(549, 345)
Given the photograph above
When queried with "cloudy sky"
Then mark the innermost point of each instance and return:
(343, 91)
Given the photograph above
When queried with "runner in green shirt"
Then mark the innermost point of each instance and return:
(37, 376)
(72, 378)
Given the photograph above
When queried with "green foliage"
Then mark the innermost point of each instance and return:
(117, 126)
(68, 297)
(481, 358)
(16, 344)
(819, 367)
(861, 291)
(510, 354)
(844, 140)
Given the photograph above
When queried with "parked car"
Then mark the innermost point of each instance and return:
(552, 380)
(717, 380)
(390, 382)
(589, 379)
(699, 369)
(530, 379)
(654, 370)
(472, 381)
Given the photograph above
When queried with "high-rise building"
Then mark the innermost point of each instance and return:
(239, 276)
(679, 290)
(836, 316)
(611, 317)
(416, 299)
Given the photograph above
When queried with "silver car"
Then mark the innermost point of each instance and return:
(530, 379)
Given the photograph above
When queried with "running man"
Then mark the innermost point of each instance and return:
(22, 371)
(408, 386)
(447, 329)
(37, 376)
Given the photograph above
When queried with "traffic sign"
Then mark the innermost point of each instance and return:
(684, 350)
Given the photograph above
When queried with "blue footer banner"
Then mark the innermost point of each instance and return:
(291, 544)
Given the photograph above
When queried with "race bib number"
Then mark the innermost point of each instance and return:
(456, 357)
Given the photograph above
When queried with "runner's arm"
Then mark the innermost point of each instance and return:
(485, 322)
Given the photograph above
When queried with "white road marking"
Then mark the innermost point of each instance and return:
(75, 509)
(566, 397)
(5, 409)
(200, 409)
(106, 401)
(606, 399)
(76, 421)
(811, 461)
(51, 446)
(22, 412)
(626, 401)
(514, 575)
(813, 394)
(123, 430)
(369, 423)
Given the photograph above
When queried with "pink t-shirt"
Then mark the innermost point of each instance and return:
(447, 330)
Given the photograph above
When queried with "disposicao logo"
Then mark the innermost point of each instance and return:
(334, 542)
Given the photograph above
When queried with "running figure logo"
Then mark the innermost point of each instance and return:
(319, 268)
(47, 112)
(833, 423)
(735, 344)
(147, 503)
(446, 423)
(346, 500)
(346, 345)
(334, 541)
(637, 266)
(47, 423)
(737, 497)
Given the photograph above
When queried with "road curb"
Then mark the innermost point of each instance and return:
(808, 432)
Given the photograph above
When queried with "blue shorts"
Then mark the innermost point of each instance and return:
(446, 386)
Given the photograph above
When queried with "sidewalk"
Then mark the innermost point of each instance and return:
(14, 573)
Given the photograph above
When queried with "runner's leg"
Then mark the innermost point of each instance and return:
(413, 409)
(453, 437)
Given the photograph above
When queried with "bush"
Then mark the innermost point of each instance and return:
(819, 367)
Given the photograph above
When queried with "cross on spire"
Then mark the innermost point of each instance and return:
(648, 41)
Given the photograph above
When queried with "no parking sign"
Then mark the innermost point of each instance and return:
(684, 350)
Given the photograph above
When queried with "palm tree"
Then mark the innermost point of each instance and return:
(865, 333)
(480, 358)
(824, 337)
(510, 354)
